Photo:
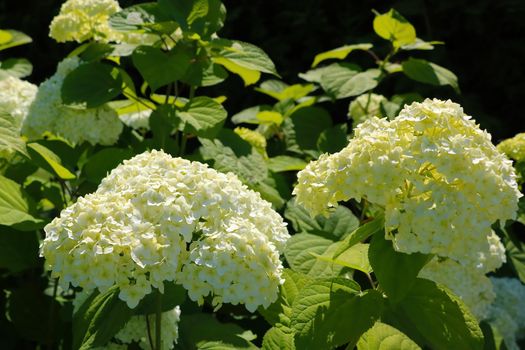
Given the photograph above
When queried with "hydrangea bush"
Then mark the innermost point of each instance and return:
(137, 212)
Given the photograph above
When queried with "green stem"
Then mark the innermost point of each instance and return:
(150, 339)
(158, 322)
(192, 91)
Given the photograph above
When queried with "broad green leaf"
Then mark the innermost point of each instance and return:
(339, 53)
(303, 128)
(14, 208)
(301, 251)
(355, 257)
(202, 116)
(420, 44)
(435, 318)
(249, 76)
(387, 263)
(5, 37)
(338, 224)
(270, 190)
(270, 117)
(281, 91)
(492, 336)
(229, 152)
(332, 312)
(16, 39)
(315, 75)
(48, 160)
(159, 68)
(245, 55)
(204, 72)
(91, 85)
(342, 82)
(394, 27)
(285, 163)
(145, 16)
(162, 122)
(16, 67)
(99, 318)
(360, 234)
(18, 250)
(203, 331)
(385, 337)
(249, 115)
(278, 338)
(334, 139)
(429, 73)
(101, 163)
(172, 296)
(10, 139)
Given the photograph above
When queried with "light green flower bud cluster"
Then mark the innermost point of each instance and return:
(155, 218)
(135, 331)
(16, 96)
(81, 20)
(438, 176)
(472, 286)
(47, 113)
(514, 147)
(506, 313)
(365, 107)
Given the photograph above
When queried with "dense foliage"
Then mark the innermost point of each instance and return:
(138, 211)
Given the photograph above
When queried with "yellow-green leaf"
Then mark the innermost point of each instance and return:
(270, 117)
(339, 53)
(394, 27)
(5, 37)
(249, 76)
(48, 160)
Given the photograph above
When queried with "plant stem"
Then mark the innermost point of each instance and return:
(149, 332)
(158, 322)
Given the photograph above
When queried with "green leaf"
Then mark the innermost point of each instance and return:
(387, 263)
(281, 91)
(303, 128)
(91, 85)
(18, 250)
(334, 139)
(162, 122)
(5, 37)
(385, 337)
(278, 338)
(285, 163)
(270, 117)
(429, 73)
(99, 318)
(202, 116)
(301, 251)
(249, 115)
(16, 38)
(340, 53)
(421, 45)
(10, 139)
(394, 27)
(203, 331)
(159, 68)
(229, 152)
(16, 67)
(145, 16)
(204, 72)
(249, 76)
(332, 312)
(514, 248)
(338, 224)
(315, 75)
(173, 295)
(245, 55)
(436, 318)
(48, 160)
(14, 208)
(355, 257)
(360, 234)
(342, 81)
(101, 163)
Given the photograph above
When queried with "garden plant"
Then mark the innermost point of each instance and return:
(136, 212)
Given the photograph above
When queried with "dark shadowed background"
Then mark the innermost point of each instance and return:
(485, 46)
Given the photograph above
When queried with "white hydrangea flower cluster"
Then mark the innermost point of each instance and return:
(47, 113)
(155, 218)
(506, 313)
(365, 107)
(135, 331)
(514, 147)
(81, 20)
(471, 285)
(137, 120)
(438, 176)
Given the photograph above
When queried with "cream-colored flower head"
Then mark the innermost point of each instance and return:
(514, 147)
(81, 20)
(155, 218)
(506, 313)
(438, 176)
(365, 107)
(471, 285)
(47, 113)
(16, 96)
